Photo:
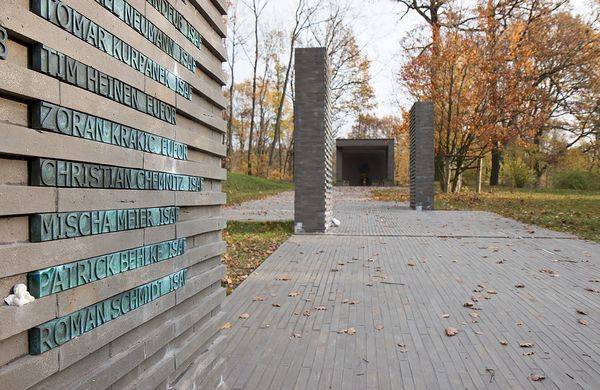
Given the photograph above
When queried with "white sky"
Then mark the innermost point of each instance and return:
(379, 29)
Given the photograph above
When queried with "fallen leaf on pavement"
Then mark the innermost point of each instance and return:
(492, 292)
(353, 303)
(474, 314)
(379, 326)
(227, 325)
(581, 311)
(411, 264)
(403, 348)
(504, 342)
(341, 331)
(478, 333)
(351, 331)
(320, 308)
(258, 299)
(445, 315)
(537, 377)
(306, 313)
(275, 305)
(529, 353)
(550, 272)
(519, 285)
(244, 316)
(293, 294)
(468, 304)
(594, 290)
(283, 278)
(584, 322)
(451, 332)
(526, 345)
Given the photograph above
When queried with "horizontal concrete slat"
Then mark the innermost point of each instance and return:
(212, 14)
(26, 142)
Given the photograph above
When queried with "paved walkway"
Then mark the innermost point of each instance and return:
(365, 306)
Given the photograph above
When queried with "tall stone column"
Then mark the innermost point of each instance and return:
(313, 144)
(422, 172)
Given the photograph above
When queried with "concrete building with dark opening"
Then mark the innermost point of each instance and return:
(365, 162)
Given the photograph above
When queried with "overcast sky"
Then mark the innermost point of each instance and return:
(379, 27)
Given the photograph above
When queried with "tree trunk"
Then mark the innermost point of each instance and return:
(495, 169)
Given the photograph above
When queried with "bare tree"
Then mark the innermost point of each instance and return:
(302, 21)
(257, 7)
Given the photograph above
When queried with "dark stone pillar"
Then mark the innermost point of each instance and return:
(422, 172)
(313, 145)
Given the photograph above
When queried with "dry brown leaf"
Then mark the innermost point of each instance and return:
(445, 315)
(526, 345)
(451, 332)
(320, 308)
(468, 304)
(353, 303)
(537, 377)
(351, 331)
(519, 285)
(528, 353)
(520, 323)
(411, 264)
(244, 316)
(226, 325)
(334, 270)
(345, 301)
(474, 314)
(478, 333)
(293, 294)
(369, 284)
(258, 299)
(297, 336)
(275, 305)
(504, 342)
(306, 313)
(591, 289)
(341, 331)
(478, 289)
(550, 272)
(283, 278)
(594, 280)
(583, 322)
(581, 311)
(492, 292)
(379, 326)
(403, 348)
(475, 298)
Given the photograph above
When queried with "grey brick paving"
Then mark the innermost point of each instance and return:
(406, 270)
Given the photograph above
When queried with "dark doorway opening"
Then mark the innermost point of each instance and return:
(365, 162)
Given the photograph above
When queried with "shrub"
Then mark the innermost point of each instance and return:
(576, 180)
(518, 172)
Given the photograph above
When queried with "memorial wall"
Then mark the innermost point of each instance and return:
(111, 141)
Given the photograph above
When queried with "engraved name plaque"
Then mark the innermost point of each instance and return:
(51, 117)
(57, 226)
(64, 277)
(58, 173)
(3, 43)
(64, 68)
(57, 332)
(134, 19)
(83, 28)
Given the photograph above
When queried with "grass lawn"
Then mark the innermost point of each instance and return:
(571, 211)
(242, 188)
(248, 245)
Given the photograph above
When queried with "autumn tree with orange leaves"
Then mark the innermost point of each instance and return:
(505, 72)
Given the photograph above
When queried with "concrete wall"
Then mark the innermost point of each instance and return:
(171, 339)
(422, 172)
(313, 145)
